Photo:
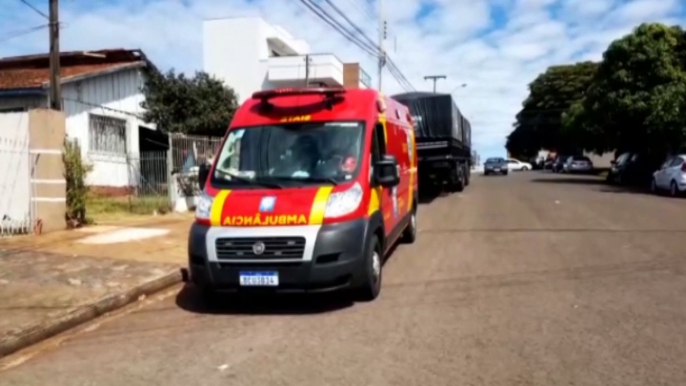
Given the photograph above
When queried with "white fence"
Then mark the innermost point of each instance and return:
(15, 166)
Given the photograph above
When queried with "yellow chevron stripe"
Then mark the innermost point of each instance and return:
(319, 205)
(217, 207)
(374, 200)
(382, 120)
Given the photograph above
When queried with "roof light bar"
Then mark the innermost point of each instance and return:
(329, 94)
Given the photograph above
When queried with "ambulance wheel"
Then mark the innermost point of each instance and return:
(371, 273)
(410, 232)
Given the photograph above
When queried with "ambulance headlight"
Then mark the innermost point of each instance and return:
(204, 207)
(343, 203)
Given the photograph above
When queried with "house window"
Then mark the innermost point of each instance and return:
(106, 134)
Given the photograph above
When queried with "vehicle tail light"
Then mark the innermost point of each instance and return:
(683, 167)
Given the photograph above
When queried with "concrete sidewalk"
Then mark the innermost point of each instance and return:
(54, 282)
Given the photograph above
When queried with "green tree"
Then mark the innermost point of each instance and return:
(199, 105)
(637, 101)
(539, 123)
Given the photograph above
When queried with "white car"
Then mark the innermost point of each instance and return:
(671, 177)
(517, 165)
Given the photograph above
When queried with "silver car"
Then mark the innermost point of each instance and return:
(578, 164)
(671, 177)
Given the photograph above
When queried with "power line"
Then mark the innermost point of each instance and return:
(368, 46)
(358, 29)
(38, 11)
(18, 33)
(322, 14)
(368, 14)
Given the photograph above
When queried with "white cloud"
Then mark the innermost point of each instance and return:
(497, 47)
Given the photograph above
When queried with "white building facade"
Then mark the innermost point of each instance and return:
(102, 106)
(248, 54)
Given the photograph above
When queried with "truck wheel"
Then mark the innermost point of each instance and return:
(457, 185)
(373, 265)
(410, 232)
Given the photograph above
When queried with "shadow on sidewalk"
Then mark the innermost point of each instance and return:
(190, 299)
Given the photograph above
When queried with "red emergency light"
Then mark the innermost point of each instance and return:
(329, 94)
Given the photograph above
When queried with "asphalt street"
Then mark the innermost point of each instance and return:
(528, 279)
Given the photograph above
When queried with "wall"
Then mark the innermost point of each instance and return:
(602, 161)
(14, 171)
(48, 185)
(114, 95)
(26, 102)
(351, 75)
(290, 71)
(235, 50)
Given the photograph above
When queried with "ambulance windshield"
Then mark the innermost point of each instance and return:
(291, 153)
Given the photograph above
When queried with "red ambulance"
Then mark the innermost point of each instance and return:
(309, 191)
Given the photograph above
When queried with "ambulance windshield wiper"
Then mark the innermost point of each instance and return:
(330, 180)
(250, 181)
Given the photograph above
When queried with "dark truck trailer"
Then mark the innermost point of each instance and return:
(443, 138)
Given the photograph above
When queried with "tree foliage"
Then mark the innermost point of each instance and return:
(539, 123)
(75, 172)
(637, 101)
(199, 105)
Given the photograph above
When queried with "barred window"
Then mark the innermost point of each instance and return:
(106, 134)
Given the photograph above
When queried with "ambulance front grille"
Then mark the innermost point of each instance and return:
(275, 248)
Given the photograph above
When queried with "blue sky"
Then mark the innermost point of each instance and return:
(496, 47)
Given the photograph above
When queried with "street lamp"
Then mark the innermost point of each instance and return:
(463, 85)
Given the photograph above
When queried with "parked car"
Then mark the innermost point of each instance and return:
(517, 165)
(559, 163)
(671, 177)
(496, 166)
(548, 164)
(578, 164)
(633, 169)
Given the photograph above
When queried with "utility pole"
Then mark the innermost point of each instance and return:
(382, 37)
(55, 92)
(435, 78)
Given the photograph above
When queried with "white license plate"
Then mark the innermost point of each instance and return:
(497, 169)
(259, 279)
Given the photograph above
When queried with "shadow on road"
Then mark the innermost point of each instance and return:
(190, 299)
(581, 180)
(427, 195)
(426, 198)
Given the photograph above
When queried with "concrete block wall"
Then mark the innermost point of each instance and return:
(47, 184)
(351, 75)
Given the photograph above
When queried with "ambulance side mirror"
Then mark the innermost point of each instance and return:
(203, 173)
(387, 172)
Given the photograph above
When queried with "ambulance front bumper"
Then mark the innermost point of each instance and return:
(331, 258)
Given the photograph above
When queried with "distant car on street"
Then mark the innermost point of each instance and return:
(578, 164)
(671, 177)
(496, 165)
(517, 165)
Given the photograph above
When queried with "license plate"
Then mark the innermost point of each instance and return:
(497, 169)
(259, 279)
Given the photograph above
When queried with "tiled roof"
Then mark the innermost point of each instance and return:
(34, 71)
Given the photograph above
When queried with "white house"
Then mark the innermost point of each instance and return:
(102, 97)
(249, 55)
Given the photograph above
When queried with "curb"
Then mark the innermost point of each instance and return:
(40, 331)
